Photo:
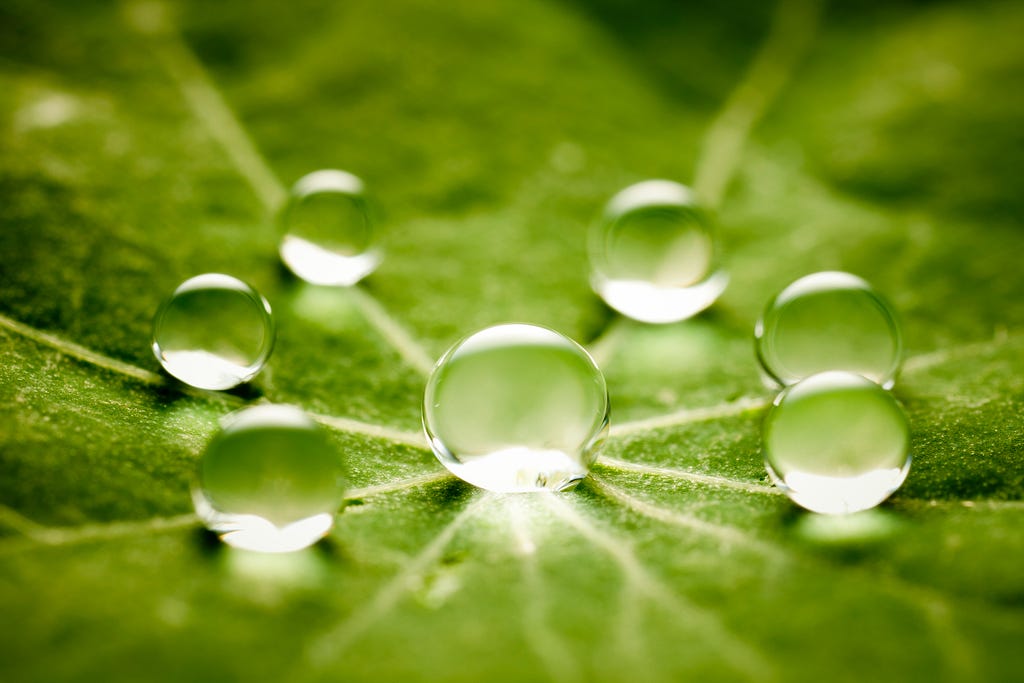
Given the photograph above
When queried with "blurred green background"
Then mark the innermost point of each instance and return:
(143, 143)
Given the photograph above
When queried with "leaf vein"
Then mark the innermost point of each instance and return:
(745, 657)
(708, 479)
(331, 645)
(211, 108)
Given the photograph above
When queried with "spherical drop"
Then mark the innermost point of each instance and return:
(836, 443)
(829, 321)
(328, 232)
(516, 408)
(213, 332)
(269, 481)
(654, 255)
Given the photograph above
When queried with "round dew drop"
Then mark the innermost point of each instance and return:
(836, 443)
(654, 255)
(269, 481)
(516, 408)
(328, 232)
(829, 321)
(213, 332)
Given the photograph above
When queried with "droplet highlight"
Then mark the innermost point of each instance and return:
(516, 408)
(270, 480)
(654, 254)
(329, 236)
(837, 443)
(213, 332)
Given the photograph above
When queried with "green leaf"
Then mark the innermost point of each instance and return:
(144, 143)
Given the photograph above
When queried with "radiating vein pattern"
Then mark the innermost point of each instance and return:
(744, 657)
(332, 645)
(140, 142)
(547, 644)
(212, 110)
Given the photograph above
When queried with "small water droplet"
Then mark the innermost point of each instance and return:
(654, 256)
(836, 443)
(269, 481)
(516, 408)
(829, 321)
(329, 235)
(213, 332)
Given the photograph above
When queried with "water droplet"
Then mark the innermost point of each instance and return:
(213, 332)
(270, 480)
(328, 230)
(516, 408)
(654, 255)
(836, 443)
(829, 321)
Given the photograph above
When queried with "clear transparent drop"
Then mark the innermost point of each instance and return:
(516, 408)
(328, 230)
(270, 480)
(213, 332)
(654, 255)
(829, 321)
(836, 443)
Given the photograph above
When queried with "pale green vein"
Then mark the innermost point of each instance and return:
(151, 18)
(65, 536)
(931, 604)
(12, 519)
(695, 477)
(792, 30)
(926, 361)
(746, 659)
(913, 365)
(341, 424)
(397, 336)
(549, 647)
(690, 415)
(415, 440)
(602, 348)
(80, 352)
(724, 534)
(406, 484)
(350, 426)
(995, 505)
(69, 535)
(790, 34)
(331, 645)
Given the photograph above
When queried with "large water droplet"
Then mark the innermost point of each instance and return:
(654, 256)
(829, 321)
(329, 234)
(270, 480)
(213, 332)
(837, 442)
(516, 408)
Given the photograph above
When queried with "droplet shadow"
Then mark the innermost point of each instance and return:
(274, 566)
(174, 390)
(848, 538)
(331, 309)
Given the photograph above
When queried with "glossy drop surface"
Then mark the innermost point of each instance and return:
(328, 231)
(213, 332)
(837, 443)
(654, 255)
(516, 408)
(829, 321)
(269, 481)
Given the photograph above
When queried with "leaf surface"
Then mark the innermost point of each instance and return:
(144, 143)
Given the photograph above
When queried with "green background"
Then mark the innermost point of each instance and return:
(144, 143)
